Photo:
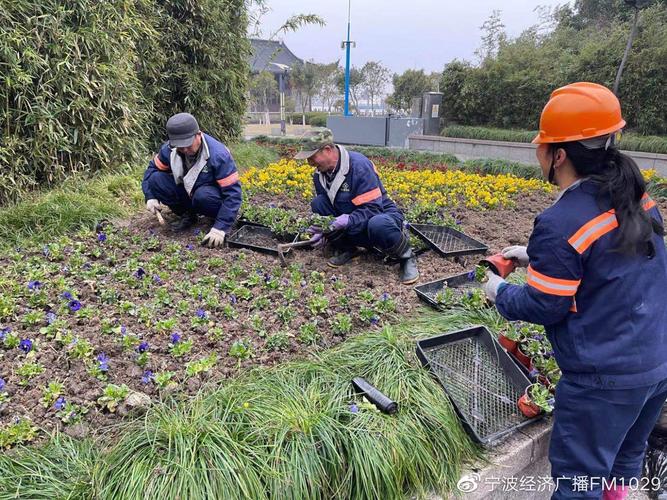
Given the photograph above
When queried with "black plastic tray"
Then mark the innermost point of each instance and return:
(481, 380)
(446, 241)
(427, 291)
(233, 240)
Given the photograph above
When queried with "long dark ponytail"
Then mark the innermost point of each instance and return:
(621, 180)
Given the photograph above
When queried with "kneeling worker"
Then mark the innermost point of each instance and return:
(192, 174)
(348, 187)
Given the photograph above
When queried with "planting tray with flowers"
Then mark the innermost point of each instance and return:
(460, 290)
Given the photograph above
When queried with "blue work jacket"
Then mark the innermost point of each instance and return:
(215, 167)
(604, 312)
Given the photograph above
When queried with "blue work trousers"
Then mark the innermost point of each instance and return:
(382, 231)
(205, 201)
(600, 433)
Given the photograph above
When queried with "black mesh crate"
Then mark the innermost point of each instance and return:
(428, 291)
(448, 242)
(481, 380)
(258, 238)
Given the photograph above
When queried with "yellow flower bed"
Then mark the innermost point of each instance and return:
(407, 187)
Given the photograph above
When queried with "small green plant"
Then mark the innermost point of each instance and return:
(164, 379)
(181, 348)
(165, 325)
(241, 349)
(308, 333)
(112, 396)
(342, 324)
(318, 304)
(277, 341)
(50, 393)
(80, 349)
(33, 318)
(286, 314)
(201, 365)
(541, 396)
(366, 296)
(17, 433)
(71, 413)
(28, 370)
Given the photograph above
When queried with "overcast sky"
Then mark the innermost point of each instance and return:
(402, 34)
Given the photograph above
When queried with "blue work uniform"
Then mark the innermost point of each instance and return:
(354, 188)
(210, 186)
(605, 315)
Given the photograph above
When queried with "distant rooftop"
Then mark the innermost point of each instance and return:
(268, 51)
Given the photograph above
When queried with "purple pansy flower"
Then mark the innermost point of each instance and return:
(143, 347)
(375, 320)
(189, 246)
(471, 276)
(59, 404)
(175, 338)
(354, 408)
(304, 283)
(157, 280)
(232, 299)
(34, 285)
(2, 384)
(45, 251)
(385, 297)
(147, 377)
(201, 314)
(101, 237)
(74, 305)
(26, 345)
(66, 295)
(533, 373)
(123, 330)
(50, 317)
(538, 337)
(103, 360)
(140, 273)
(87, 266)
(4, 332)
(196, 232)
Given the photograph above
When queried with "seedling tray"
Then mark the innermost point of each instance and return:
(481, 380)
(257, 238)
(448, 242)
(428, 291)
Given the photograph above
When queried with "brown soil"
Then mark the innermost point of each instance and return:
(93, 270)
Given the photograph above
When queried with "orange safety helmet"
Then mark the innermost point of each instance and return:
(579, 111)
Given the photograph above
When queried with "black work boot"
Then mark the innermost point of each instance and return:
(342, 257)
(188, 219)
(408, 272)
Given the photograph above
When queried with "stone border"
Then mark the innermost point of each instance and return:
(521, 152)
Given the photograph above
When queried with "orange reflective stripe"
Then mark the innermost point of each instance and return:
(593, 230)
(229, 180)
(552, 286)
(573, 307)
(160, 165)
(647, 202)
(367, 196)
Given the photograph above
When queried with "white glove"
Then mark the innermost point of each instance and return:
(154, 206)
(516, 253)
(493, 282)
(214, 238)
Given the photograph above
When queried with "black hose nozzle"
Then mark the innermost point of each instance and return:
(382, 402)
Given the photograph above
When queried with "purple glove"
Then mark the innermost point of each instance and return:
(340, 222)
(318, 240)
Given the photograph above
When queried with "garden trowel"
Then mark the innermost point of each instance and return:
(285, 247)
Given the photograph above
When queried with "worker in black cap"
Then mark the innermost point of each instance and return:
(193, 173)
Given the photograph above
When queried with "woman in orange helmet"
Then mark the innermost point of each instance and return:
(596, 279)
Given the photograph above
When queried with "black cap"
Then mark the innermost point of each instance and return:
(182, 129)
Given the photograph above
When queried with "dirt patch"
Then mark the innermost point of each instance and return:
(238, 308)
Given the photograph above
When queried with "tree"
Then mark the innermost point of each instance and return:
(493, 37)
(375, 80)
(356, 84)
(304, 79)
(263, 88)
(413, 83)
(328, 91)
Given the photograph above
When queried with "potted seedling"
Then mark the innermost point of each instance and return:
(535, 400)
(509, 337)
